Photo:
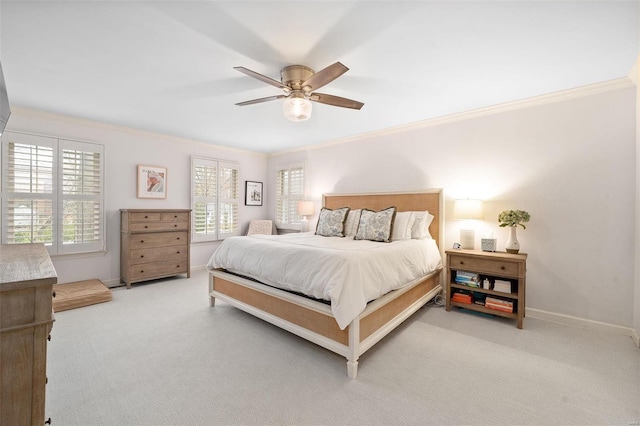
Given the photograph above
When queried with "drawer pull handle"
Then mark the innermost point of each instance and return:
(175, 226)
(461, 262)
(49, 337)
(142, 241)
(142, 271)
(177, 266)
(145, 227)
(46, 380)
(175, 216)
(178, 252)
(146, 217)
(141, 256)
(48, 422)
(502, 267)
(54, 294)
(178, 238)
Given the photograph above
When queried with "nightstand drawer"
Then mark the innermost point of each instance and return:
(494, 266)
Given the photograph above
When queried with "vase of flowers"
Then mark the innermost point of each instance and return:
(511, 219)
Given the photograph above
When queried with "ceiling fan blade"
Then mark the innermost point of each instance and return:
(260, 100)
(335, 101)
(261, 77)
(325, 76)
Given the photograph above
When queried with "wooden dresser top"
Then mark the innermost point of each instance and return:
(25, 265)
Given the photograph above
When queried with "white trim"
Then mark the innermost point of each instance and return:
(588, 90)
(580, 322)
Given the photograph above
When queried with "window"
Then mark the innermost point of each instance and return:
(52, 193)
(289, 190)
(214, 199)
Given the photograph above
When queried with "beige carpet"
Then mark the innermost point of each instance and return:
(79, 294)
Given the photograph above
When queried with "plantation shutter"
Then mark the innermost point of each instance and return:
(81, 218)
(52, 193)
(289, 190)
(29, 190)
(214, 199)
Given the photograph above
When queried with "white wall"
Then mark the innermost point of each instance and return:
(568, 159)
(124, 150)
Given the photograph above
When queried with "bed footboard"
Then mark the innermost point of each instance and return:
(314, 321)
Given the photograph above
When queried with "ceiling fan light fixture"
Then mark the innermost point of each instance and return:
(297, 108)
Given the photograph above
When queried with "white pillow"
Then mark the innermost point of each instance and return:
(421, 225)
(402, 226)
(351, 225)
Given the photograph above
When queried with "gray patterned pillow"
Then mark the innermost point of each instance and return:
(331, 222)
(376, 226)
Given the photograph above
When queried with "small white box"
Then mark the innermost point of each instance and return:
(488, 244)
(502, 286)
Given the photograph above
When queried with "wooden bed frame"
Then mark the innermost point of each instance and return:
(312, 319)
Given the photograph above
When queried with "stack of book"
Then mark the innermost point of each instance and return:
(498, 304)
(467, 278)
(461, 298)
(502, 286)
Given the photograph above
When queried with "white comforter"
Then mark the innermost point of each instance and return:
(346, 272)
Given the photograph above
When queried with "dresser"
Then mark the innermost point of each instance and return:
(154, 244)
(27, 277)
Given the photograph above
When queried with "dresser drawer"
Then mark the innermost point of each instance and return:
(159, 239)
(175, 217)
(159, 226)
(169, 253)
(157, 269)
(146, 217)
(497, 267)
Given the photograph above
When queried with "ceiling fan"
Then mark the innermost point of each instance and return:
(298, 83)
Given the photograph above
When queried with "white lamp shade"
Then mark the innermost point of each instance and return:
(467, 209)
(297, 108)
(305, 208)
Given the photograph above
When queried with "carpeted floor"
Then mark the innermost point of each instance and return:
(159, 355)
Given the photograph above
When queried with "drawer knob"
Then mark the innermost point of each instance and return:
(146, 217)
(177, 266)
(48, 422)
(175, 216)
(502, 267)
(178, 238)
(142, 241)
(54, 294)
(461, 262)
(178, 252)
(141, 256)
(145, 227)
(49, 337)
(142, 271)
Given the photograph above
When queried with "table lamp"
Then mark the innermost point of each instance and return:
(467, 210)
(305, 208)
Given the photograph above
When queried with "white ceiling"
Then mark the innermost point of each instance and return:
(167, 66)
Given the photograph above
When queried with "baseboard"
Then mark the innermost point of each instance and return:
(635, 337)
(581, 322)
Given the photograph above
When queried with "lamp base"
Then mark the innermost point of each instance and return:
(467, 239)
(304, 224)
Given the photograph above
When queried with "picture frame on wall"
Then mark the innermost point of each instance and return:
(252, 193)
(152, 182)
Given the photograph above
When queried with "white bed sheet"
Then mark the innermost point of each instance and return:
(346, 272)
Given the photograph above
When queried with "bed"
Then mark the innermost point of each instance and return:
(319, 321)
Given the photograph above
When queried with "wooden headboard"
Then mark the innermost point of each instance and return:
(431, 200)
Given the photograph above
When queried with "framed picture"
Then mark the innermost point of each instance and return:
(252, 193)
(152, 182)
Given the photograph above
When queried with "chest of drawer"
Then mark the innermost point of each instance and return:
(498, 267)
(159, 239)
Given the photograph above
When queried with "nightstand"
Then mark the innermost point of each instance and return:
(508, 269)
